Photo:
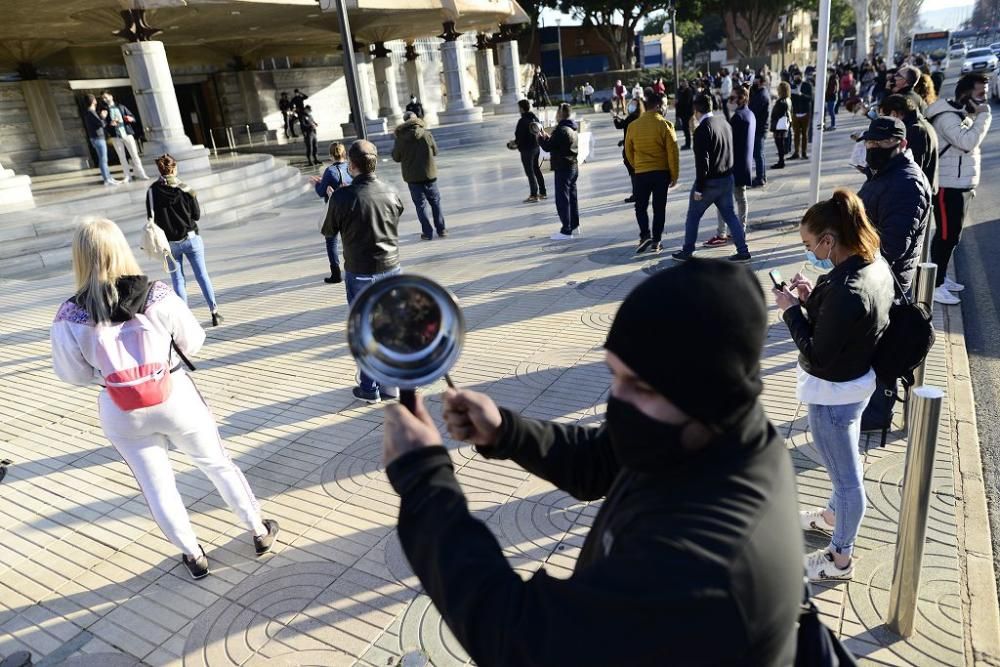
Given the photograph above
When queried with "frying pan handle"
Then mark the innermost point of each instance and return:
(408, 398)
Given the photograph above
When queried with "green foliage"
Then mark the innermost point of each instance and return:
(842, 22)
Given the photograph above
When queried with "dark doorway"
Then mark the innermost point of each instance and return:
(123, 96)
(194, 112)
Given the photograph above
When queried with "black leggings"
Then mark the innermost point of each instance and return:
(530, 160)
(950, 208)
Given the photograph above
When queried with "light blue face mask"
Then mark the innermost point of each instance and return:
(872, 113)
(821, 264)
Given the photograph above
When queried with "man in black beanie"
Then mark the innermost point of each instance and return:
(694, 558)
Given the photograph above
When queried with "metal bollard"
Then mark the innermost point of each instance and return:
(232, 139)
(913, 509)
(923, 293)
(215, 149)
(249, 137)
(925, 250)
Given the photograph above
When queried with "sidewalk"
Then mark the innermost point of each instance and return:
(86, 578)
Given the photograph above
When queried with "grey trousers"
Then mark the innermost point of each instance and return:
(740, 194)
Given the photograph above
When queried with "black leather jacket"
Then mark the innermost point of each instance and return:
(366, 215)
(837, 328)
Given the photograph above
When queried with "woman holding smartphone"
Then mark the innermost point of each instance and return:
(836, 326)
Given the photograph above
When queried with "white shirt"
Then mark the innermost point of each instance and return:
(727, 87)
(814, 391)
(702, 119)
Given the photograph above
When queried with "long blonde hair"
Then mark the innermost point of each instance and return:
(101, 256)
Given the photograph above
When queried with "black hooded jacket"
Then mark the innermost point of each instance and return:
(175, 209)
(698, 566)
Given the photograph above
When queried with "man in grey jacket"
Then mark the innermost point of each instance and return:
(961, 125)
(415, 150)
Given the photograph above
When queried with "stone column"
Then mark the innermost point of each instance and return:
(510, 70)
(57, 153)
(415, 82)
(486, 72)
(459, 108)
(15, 191)
(153, 86)
(385, 84)
(374, 124)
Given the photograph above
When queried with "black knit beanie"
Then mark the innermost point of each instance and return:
(695, 332)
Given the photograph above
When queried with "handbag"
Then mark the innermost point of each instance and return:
(154, 241)
(782, 124)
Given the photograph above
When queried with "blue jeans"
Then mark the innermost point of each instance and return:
(422, 194)
(194, 249)
(758, 157)
(355, 284)
(831, 110)
(101, 146)
(718, 191)
(643, 185)
(566, 203)
(331, 250)
(836, 431)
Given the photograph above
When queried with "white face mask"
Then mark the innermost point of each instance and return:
(632, 108)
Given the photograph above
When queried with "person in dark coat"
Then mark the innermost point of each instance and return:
(760, 105)
(562, 146)
(309, 126)
(744, 126)
(921, 138)
(781, 123)
(287, 115)
(698, 537)
(683, 111)
(635, 109)
(96, 123)
(415, 107)
(527, 147)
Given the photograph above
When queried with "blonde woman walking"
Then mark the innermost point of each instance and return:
(129, 335)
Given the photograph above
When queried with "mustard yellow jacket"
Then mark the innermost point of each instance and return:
(650, 145)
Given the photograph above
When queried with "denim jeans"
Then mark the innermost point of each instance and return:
(742, 210)
(643, 185)
(566, 204)
(533, 170)
(831, 110)
(101, 146)
(718, 191)
(422, 194)
(331, 250)
(758, 157)
(355, 284)
(836, 431)
(194, 249)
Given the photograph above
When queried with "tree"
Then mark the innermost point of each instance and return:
(533, 8)
(614, 22)
(906, 19)
(841, 20)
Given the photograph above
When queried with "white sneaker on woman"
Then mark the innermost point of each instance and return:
(943, 296)
(952, 286)
(813, 520)
(820, 567)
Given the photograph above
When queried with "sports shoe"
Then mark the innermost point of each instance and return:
(741, 257)
(367, 397)
(716, 241)
(217, 319)
(682, 256)
(952, 286)
(656, 248)
(643, 246)
(559, 236)
(335, 275)
(542, 195)
(442, 233)
(530, 200)
(820, 567)
(813, 520)
(112, 182)
(576, 232)
(262, 544)
(426, 237)
(198, 567)
(630, 200)
(943, 296)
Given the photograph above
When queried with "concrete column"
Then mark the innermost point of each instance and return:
(153, 86)
(486, 72)
(459, 107)
(15, 191)
(369, 106)
(57, 154)
(414, 69)
(385, 84)
(510, 74)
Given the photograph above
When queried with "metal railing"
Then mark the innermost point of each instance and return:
(230, 138)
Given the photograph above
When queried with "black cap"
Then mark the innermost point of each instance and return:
(885, 127)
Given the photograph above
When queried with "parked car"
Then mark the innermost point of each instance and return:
(995, 87)
(957, 50)
(995, 48)
(979, 60)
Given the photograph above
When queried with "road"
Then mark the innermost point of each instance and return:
(979, 248)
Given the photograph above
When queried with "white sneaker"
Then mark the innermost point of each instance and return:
(952, 286)
(943, 296)
(559, 236)
(820, 567)
(112, 182)
(813, 520)
(576, 232)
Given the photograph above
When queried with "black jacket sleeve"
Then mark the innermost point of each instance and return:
(822, 340)
(701, 154)
(193, 206)
(577, 459)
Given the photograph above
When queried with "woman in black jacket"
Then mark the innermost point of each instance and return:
(781, 122)
(635, 109)
(836, 326)
(527, 146)
(174, 208)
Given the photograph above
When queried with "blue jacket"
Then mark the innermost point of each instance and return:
(335, 176)
(898, 202)
(744, 127)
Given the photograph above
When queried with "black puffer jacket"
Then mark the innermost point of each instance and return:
(175, 209)
(698, 566)
(366, 215)
(838, 327)
(898, 202)
(526, 140)
(562, 145)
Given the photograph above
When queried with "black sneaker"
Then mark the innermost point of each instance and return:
(542, 195)
(741, 257)
(682, 256)
(334, 276)
(198, 567)
(643, 246)
(367, 397)
(263, 544)
(442, 233)
(657, 247)
(630, 200)
(217, 319)
(426, 237)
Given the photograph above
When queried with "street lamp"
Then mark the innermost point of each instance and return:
(782, 28)
(350, 67)
(562, 74)
(673, 45)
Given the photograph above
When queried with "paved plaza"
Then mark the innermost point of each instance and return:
(87, 579)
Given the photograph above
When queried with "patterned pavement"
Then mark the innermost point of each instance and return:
(86, 579)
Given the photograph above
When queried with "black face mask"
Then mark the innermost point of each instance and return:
(878, 158)
(644, 444)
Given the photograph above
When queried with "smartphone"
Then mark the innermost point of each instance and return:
(776, 278)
